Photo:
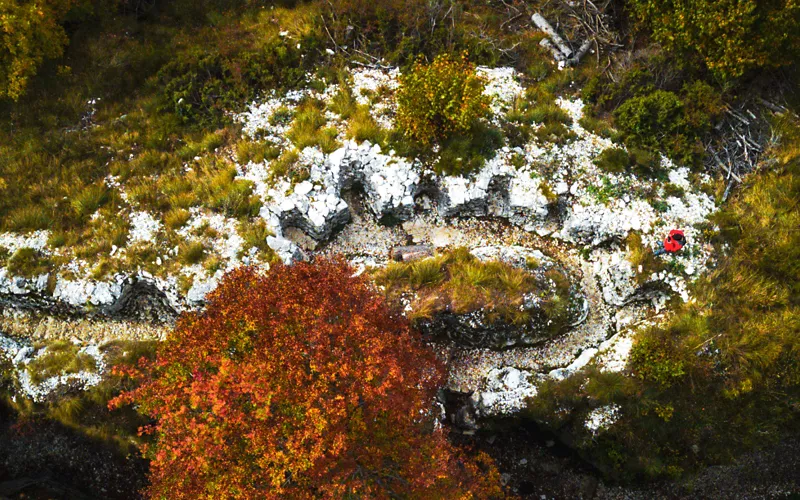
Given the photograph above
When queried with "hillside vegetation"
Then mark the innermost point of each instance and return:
(123, 153)
(721, 375)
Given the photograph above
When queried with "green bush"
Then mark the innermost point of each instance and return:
(30, 34)
(614, 160)
(201, 86)
(730, 37)
(440, 99)
(664, 121)
(649, 119)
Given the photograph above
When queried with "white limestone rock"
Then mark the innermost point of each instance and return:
(600, 419)
(504, 391)
(577, 364)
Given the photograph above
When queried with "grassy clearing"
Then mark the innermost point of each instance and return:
(458, 282)
(55, 157)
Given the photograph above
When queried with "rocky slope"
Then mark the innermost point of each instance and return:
(544, 198)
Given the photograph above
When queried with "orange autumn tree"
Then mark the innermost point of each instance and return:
(299, 383)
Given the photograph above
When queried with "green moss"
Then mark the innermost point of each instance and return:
(607, 190)
(548, 192)
(654, 361)
(61, 358)
(28, 262)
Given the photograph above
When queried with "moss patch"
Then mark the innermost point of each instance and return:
(61, 358)
(457, 282)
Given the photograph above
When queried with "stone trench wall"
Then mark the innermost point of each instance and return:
(392, 184)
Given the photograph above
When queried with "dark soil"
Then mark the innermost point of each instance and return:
(535, 465)
(42, 459)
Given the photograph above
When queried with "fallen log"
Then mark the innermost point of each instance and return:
(543, 25)
(557, 55)
(411, 252)
(584, 48)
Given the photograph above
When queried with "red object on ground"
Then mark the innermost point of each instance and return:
(674, 241)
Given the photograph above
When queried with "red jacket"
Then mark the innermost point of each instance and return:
(674, 241)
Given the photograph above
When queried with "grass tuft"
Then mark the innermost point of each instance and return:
(28, 218)
(28, 262)
(192, 252)
(363, 127)
(254, 233)
(255, 151)
(176, 218)
(89, 200)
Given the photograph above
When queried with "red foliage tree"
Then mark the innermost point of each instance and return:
(299, 384)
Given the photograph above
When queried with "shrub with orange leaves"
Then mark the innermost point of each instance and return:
(299, 383)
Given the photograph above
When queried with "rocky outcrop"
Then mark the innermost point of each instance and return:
(141, 297)
(391, 184)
